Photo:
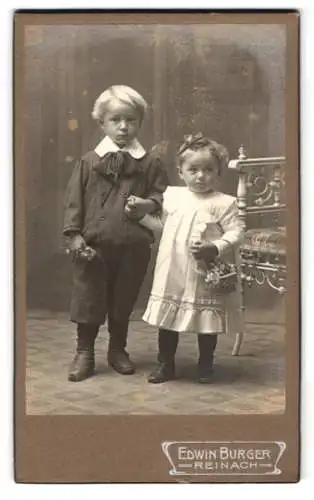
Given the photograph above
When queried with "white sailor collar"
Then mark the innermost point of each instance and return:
(106, 145)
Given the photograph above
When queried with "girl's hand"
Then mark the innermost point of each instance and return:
(137, 207)
(204, 251)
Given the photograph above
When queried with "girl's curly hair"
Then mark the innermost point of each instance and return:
(197, 142)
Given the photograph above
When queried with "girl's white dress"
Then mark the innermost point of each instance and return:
(180, 300)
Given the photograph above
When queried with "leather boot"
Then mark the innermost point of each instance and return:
(207, 345)
(83, 364)
(118, 358)
(165, 370)
(120, 361)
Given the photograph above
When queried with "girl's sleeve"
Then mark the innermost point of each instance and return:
(74, 200)
(157, 182)
(153, 222)
(156, 221)
(233, 229)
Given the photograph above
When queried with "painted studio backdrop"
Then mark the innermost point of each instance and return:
(224, 80)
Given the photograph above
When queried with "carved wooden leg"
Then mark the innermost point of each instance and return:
(239, 335)
(237, 344)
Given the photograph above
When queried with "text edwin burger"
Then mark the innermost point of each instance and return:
(224, 458)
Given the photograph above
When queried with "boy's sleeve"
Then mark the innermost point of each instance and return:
(157, 183)
(74, 201)
(232, 227)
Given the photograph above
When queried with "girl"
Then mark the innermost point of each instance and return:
(111, 249)
(195, 274)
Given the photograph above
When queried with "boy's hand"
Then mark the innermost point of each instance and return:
(204, 251)
(137, 207)
(76, 245)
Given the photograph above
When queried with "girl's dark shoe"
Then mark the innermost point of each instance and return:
(162, 373)
(207, 345)
(167, 346)
(82, 366)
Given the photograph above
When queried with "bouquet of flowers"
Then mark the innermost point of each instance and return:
(85, 254)
(221, 277)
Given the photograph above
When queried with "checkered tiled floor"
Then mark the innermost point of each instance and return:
(250, 383)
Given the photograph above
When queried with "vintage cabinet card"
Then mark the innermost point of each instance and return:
(156, 278)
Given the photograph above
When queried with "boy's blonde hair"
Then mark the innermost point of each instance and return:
(122, 93)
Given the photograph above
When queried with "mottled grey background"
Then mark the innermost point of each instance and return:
(225, 80)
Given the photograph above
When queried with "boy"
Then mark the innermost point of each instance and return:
(111, 249)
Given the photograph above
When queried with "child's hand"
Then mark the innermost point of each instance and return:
(76, 245)
(204, 251)
(137, 207)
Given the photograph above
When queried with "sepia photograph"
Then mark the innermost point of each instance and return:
(155, 232)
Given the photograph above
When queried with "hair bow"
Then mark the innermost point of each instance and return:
(190, 141)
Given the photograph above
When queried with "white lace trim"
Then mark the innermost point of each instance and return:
(185, 316)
